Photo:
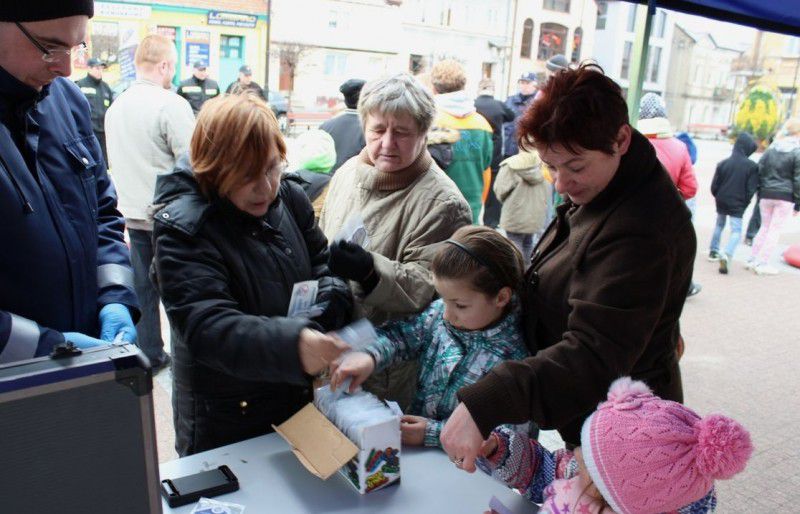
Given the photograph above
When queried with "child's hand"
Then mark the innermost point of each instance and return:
(412, 430)
(358, 365)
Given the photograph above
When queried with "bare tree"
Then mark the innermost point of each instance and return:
(290, 54)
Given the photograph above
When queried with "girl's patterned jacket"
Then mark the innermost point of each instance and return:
(449, 358)
(525, 465)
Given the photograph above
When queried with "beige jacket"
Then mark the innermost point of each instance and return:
(522, 190)
(405, 227)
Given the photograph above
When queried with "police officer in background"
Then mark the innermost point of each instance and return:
(99, 94)
(198, 88)
(245, 83)
(65, 271)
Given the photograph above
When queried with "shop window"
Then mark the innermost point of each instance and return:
(416, 64)
(230, 47)
(527, 39)
(552, 40)
(557, 5)
(168, 32)
(577, 40)
(104, 43)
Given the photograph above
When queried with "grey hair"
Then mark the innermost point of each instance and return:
(401, 94)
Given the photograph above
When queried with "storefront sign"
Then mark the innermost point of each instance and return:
(232, 19)
(114, 10)
(197, 46)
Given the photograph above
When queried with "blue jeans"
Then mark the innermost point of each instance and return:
(148, 329)
(736, 234)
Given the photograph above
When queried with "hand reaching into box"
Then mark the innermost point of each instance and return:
(355, 365)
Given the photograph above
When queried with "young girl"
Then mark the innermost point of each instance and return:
(474, 326)
(639, 454)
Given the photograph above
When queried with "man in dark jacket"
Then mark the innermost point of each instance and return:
(245, 83)
(345, 127)
(496, 113)
(99, 94)
(733, 186)
(65, 270)
(198, 88)
(518, 103)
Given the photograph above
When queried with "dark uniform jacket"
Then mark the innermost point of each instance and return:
(602, 299)
(226, 279)
(496, 113)
(100, 96)
(196, 91)
(736, 178)
(517, 103)
(347, 134)
(62, 253)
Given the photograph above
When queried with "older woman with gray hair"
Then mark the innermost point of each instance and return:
(408, 206)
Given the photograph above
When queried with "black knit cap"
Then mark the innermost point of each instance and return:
(39, 10)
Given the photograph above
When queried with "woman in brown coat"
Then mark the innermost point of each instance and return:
(607, 282)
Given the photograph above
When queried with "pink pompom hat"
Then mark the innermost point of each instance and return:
(647, 455)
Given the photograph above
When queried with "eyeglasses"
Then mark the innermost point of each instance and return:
(53, 54)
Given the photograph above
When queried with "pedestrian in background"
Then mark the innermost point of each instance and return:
(148, 128)
(671, 151)
(65, 270)
(245, 83)
(198, 88)
(518, 103)
(345, 127)
(523, 192)
(99, 95)
(496, 113)
(472, 153)
(314, 157)
(779, 190)
(733, 186)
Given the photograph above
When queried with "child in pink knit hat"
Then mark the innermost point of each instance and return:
(639, 454)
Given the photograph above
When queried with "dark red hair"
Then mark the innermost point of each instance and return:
(580, 108)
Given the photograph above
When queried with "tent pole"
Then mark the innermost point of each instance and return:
(644, 23)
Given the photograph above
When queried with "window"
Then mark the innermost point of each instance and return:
(653, 63)
(552, 40)
(626, 60)
(486, 70)
(659, 23)
(577, 39)
(416, 64)
(557, 5)
(335, 64)
(632, 18)
(792, 47)
(230, 47)
(602, 14)
(527, 39)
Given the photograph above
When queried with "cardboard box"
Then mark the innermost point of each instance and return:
(323, 449)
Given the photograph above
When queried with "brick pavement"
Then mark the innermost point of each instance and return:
(742, 351)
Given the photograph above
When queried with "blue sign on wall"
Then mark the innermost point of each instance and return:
(232, 19)
(197, 52)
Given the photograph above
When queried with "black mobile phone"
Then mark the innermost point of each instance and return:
(188, 489)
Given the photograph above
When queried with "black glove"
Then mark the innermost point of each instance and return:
(339, 311)
(350, 261)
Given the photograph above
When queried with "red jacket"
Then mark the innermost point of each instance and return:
(675, 157)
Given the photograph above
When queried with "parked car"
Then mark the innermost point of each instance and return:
(280, 106)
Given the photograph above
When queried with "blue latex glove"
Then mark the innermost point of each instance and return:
(83, 341)
(116, 318)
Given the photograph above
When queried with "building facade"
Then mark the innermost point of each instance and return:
(544, 28)
(316, 45)
(775, 58)
(474, 32)
(700, 92)
(616, 28)
(224, 33)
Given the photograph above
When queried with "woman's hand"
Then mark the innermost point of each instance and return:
(358, 365)
(461, 438)
(318, 350)
(350, 261)
(412, 430)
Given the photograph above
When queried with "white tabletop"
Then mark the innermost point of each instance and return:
(271, 479)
